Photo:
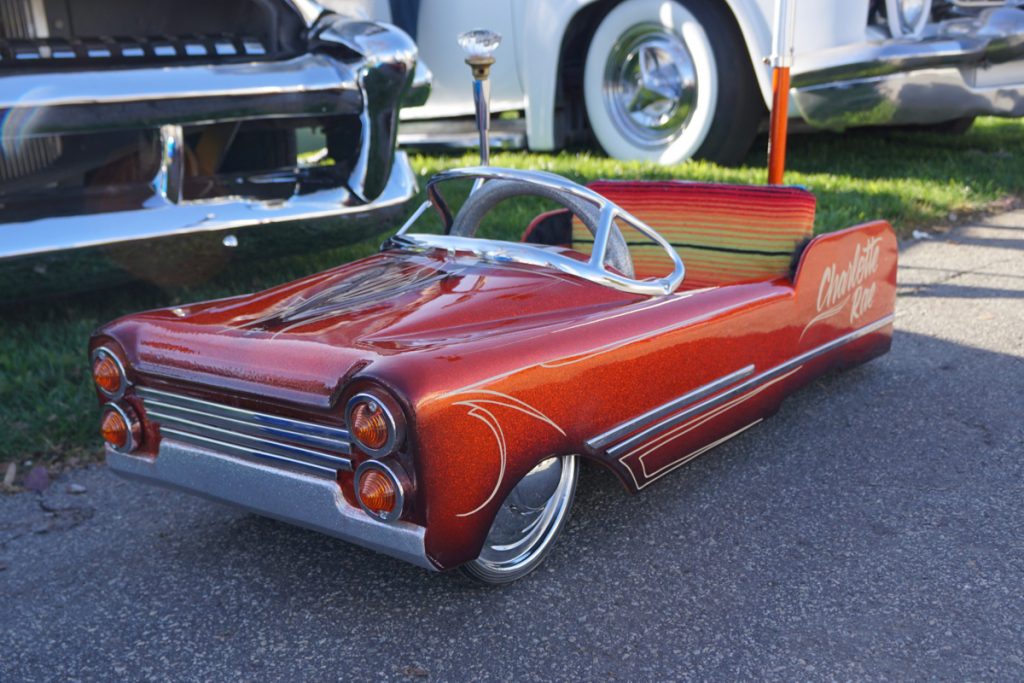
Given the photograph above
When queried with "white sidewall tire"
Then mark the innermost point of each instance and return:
(684, 24)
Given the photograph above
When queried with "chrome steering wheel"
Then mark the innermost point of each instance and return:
(491, 193)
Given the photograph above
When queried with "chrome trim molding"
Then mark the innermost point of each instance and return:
(395, 432)
(599, 442)
(694, 454)
(306, 501)
(651, 426)
(389, 472)
(125, 382)
(497, 251)
(314, 448)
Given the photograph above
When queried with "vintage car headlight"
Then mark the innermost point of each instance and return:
(373, 425)
(380, 489)
(108, 373)
(120, 427)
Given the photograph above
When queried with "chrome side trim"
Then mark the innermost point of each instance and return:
(704, 406)
(313, 447)
(306, 501)
(602, 440)
(693, 455)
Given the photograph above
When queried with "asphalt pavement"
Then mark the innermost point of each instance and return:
(873, 529)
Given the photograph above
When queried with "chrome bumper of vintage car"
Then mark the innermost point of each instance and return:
(42, 256)
(301, 499)
(968, 67)
(354, 73)
(110, 99)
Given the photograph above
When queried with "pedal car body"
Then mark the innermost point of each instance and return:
(432, 401)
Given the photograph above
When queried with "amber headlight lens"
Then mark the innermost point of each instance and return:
(377, 492)
(120, 428)
(369, 426)
(108, 374)
(375, 423)
(380, 490)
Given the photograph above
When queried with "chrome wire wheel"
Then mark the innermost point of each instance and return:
(650, 85)
(527, 523)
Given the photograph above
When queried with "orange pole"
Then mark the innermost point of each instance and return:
(779, 125)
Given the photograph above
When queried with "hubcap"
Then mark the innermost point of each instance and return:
(525, 523)
(650, 85)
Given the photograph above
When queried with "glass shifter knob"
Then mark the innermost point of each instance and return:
(479, 44)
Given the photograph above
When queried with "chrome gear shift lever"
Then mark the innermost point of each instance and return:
(479, 46)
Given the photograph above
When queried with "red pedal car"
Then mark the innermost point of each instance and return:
(434, 401)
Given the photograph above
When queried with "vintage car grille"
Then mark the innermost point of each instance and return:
(57, 52)
(285, 442)
(58, 34)
(21, 158)
(18, 19)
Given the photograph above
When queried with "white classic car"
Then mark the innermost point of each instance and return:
(665, 80)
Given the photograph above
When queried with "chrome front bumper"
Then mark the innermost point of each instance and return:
(967, 67)
(304, 500)
(44, 256)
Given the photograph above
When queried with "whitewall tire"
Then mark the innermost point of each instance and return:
(655, 85)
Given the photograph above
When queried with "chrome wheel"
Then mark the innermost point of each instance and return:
(650, 85)
(527, 523)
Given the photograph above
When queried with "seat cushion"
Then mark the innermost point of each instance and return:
(724, 233)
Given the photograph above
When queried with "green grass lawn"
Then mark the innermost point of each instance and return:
(47, 407)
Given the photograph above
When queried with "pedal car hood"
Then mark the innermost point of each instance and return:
(304, 338)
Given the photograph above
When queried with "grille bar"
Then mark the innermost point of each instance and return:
(235, 431)
(17, 19)
(53, 52)
(23, 157)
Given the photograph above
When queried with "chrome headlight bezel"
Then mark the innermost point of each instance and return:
(103, 352)
(395, 425)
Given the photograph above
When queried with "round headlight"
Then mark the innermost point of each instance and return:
(372, 425)
(379, 490)
(108, 373)
(120, 428)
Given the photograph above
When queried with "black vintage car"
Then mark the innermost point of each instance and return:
(150, 138)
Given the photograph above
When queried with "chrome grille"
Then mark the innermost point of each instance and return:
(20, 158)
(22, 19)
(126, 52)
(281, 441)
